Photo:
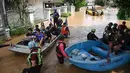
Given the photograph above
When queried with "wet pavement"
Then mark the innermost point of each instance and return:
(80, 24)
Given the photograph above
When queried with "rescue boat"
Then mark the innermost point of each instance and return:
(92, 55)
(22, 46)
(94, 11)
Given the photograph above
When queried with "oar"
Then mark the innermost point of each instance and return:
(4, 45)
(108, 55)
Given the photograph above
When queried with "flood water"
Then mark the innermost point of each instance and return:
(11, 62)
(80, 24)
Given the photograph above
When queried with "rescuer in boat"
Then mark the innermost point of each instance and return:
(115, 28)
(34, 58)
(122, 28)
(55, 17)
(107, 34)
(108, 28)
(91, 35)
(65, 30)
(118, 45)
(114, 33)
(60, 50)
(128, 37)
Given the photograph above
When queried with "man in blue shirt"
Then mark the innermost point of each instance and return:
(39, 35)
(55, 16)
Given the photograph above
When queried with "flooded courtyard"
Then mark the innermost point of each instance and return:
(80, 24)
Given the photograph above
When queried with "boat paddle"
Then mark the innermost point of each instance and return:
(4, 45)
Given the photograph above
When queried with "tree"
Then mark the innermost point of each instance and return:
(99, 2)
(4, 18)
(20, 6)
(3, 14)
(124, 9)
(77, 3)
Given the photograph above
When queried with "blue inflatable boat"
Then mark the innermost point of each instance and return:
(92, 55)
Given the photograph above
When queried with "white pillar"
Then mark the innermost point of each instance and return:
(64, 9)
(47, 12)
(59, 10)
(7, 34)
(72, 8)
(31, 16)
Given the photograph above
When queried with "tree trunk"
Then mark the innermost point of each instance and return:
(3, 14)
(4, 18)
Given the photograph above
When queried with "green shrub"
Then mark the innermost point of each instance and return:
(121, 14)
(18, 31)
(1, 41)
(65, 14)
(99, 2)
(79, 4)
(128, 18)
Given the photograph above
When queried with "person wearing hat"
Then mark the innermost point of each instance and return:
(60, 50)
(91, 35)
(55, 16)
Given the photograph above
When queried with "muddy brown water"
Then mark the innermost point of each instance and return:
(51, 64)
(11, 62)
(80, 24)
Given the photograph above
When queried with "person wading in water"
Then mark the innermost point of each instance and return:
(34, 58)
(60, 50)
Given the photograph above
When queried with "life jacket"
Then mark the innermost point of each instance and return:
(32, 44)
(63, 30)
(58, 49)
(39, 57)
